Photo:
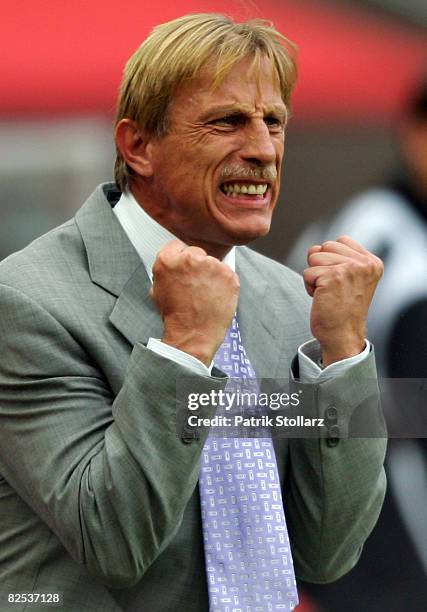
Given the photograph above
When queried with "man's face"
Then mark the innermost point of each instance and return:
(216, 174)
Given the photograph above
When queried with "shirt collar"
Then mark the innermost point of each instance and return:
(146, 235)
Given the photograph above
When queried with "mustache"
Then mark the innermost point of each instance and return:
(237, 171)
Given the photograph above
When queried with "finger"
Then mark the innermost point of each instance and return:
(333, 246)
(192, 258)
(313, 275)
(198, 251)
(353, 244)
(313, 249)
(168, 255)
(214, 260)
(309, 288)
(216, 263)
(323, 258)
(174, 247)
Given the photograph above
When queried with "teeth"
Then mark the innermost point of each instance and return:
(233, 189)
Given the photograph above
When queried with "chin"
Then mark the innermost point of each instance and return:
(246, 235)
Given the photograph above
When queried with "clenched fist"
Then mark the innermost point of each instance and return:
(197, 297)
(341, 278)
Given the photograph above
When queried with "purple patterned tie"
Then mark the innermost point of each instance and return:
(248, 558)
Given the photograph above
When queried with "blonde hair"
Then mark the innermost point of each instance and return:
(176, 51)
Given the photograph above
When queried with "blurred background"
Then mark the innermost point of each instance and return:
(61, 64)
(360, 62)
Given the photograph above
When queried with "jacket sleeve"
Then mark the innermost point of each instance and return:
(336, 483)
(109, 475)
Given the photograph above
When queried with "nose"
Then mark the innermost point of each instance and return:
(258, 146)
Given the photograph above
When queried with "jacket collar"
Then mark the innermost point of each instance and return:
(111, 257)
(115, 266)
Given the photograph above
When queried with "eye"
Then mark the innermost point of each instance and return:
(274, 122)
(233, 120)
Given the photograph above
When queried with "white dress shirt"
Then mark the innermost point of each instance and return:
(148, 237)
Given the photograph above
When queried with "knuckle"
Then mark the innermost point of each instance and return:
(169, 250)
(341, 273)
(379, 266)
(159, 263)
(164, 257)
(357, 267)
(232, 277)
(370, 265)
(306, 274)
(236, 280)
(328, 245)
(224, 271)
(185, 256)
(172, 246)
(191, 257)
(372, 268)
(364, 258)
(161, 256)
(197, 251)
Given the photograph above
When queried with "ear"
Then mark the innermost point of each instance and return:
(133, 144)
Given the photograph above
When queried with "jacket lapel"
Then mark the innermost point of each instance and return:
(135, 314)
(115, 266)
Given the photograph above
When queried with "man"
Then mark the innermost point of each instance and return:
(100, 496)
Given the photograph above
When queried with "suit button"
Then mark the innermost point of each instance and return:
(331, 413)
(334, 433)
(332, 442)
(189, 434)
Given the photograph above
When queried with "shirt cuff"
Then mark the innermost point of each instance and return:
(180, 357)
(309, 356)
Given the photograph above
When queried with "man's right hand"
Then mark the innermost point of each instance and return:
(197, 297)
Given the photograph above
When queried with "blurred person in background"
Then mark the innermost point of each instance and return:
(391, 220)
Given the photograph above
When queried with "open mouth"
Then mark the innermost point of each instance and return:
(245, 189)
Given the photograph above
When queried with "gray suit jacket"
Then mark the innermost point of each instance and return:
(98, 494)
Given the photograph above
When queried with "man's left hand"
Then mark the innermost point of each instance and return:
(341, 278)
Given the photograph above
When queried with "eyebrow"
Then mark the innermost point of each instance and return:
(279, 111)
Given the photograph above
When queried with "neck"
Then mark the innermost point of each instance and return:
(219, 251)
